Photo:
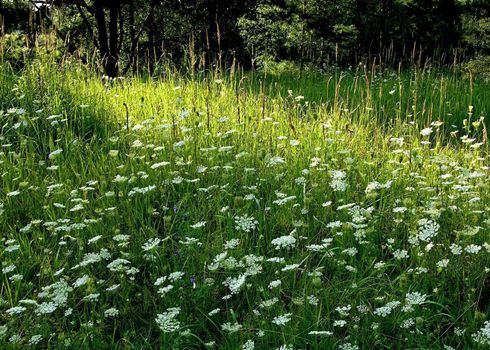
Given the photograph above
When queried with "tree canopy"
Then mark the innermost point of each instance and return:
(129, 33)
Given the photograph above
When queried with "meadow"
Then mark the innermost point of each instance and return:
(346, 209)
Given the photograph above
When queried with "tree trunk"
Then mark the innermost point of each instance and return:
(2, 23)
(102, 34)
(360, 10)
(151, 37)
(212, 29)
(132, 29)
(112, 68)
(382, 24)
(450, 15)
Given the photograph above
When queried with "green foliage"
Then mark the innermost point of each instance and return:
(314, 31)
(264, 33)
(18, 50)
(477, 33)
(13, 49)
(480, 66)
(346, 36)
(272, 33)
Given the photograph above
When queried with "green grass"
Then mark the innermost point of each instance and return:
(343, 199)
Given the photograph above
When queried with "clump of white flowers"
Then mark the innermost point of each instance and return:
(482, 337)
(167, 322)
(151, 244)
(284, 242)
(338, 180)
(384, 311)
(231, 327)
(428, 229)
(282, 319)
(235, 283)
(245, 223)
(55, 153)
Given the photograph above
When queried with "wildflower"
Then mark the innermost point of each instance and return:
(234, 284)
(343, 310)
(456, 249)
(118, 265)
(274, 284)
(119, 179)
(138, 190)
(400, 254)
(248, 345)
(275, 161)
(384, 311)
(482, 337)
(80, 281)
(46, 308)
(167, 322)
(178, 145)
(415, 298)
(8, 269)
(159, 165)
(282, 320)
(199, 224)
(268, 303)
(214, 312)
(312, 300)
(442, 263)
(472, 249)
(111, 312)
(137, 144)
(321, 333)
(290, 267)
(426, 131)
(55, 153)
(16, 310)
(245, 223)
(408, 323)
(164, 290)
(231, 328)
(427, 230)
(285, 347)
(151, 244)
(339, 323)
(284, 200)
(232, 244)
(14, 339)
(286, 242)
(35, 339)
(338, 183)
(91, 297)
(112, 288)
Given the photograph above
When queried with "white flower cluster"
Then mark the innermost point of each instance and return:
(482, 337)
(284, 242)
(428, 229)
(245, 223)
(338, 180)
(282, 319)
(384, 311)
(167, 322)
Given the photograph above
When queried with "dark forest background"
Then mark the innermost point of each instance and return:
(138, 34)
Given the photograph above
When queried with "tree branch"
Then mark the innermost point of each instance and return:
(60, 34)
(134, 40)
(83, 4)
(87, 22)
